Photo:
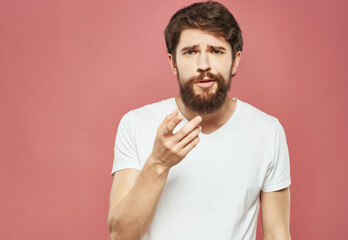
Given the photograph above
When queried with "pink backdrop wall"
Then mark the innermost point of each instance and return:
(69, 70)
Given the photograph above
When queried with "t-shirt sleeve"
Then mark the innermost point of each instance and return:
(278, 174)
(125, 150)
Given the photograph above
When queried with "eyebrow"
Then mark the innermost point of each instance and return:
(210, 46)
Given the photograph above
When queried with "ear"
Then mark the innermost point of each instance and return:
(236, 62)
(172, 63)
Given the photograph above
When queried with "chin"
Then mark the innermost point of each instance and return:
(206, 96)
(209, 92)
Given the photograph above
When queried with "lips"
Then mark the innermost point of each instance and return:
(203, 80)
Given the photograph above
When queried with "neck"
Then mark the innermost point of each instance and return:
(210, 121)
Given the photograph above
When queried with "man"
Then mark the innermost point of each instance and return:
(196, 166)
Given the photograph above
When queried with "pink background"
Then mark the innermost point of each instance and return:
(70, 69)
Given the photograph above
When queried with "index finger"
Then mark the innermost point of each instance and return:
(173, 123)
(170, 116)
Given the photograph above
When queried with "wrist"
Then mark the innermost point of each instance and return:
(156, 165)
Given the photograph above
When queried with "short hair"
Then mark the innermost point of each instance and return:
(208, 16)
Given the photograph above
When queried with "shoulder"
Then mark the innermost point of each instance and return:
(160, 108)
(150, 113)
(254, 117)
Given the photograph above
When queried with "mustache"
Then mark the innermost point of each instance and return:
(202, 75)
(206, 74)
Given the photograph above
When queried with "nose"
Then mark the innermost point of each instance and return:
(203, 62)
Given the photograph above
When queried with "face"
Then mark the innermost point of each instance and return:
(204, 70)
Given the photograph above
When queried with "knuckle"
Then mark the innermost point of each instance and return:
(160, 128)
(193, 134)
(191, 137)
(166, 146)
(181, 154)
(175, 151)
(166, 118)
(167, 128)
(184, 132)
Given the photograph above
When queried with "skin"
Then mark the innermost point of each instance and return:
(275, 206)
(203, 58)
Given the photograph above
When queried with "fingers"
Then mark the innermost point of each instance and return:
(189, 127)
(188, 138)
(171, 148)
(190, 146)
(171, 116)
(173, 123)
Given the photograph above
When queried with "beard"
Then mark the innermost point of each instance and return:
(206, 101)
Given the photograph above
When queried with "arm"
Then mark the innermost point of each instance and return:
(275, 210)
(130, 214)
(130, 218)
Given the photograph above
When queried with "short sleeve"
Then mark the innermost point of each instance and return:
(278, 174)
(125, 150)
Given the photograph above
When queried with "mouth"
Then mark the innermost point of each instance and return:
(206, 83)
(205, 80)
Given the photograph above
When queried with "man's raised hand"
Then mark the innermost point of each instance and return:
(169, 149)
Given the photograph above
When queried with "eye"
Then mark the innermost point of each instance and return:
(217, 52)
(190, 51)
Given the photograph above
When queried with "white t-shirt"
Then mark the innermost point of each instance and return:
(213, 193)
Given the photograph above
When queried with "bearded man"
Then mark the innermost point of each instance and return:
(200, 165)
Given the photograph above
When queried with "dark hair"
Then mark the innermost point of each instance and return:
(208, 16)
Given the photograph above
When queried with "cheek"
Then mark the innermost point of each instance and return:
(224, 69)
(185, 70)
(222, 63)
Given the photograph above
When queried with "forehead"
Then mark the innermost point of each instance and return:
(190, 37)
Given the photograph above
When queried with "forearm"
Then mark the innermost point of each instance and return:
(132, 217)
(275, 208)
